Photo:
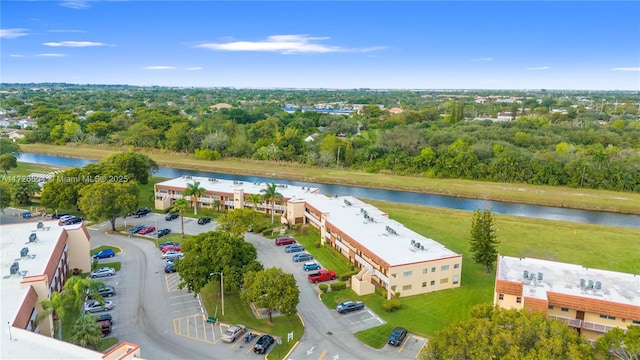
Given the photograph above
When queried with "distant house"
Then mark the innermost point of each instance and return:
(16, 135)
(396, 110)
(220, 106)
(311, 137)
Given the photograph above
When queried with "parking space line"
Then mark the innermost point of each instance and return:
(189, 309)
(322, 354)
(403, 344)
(185, 302)
(255, 309)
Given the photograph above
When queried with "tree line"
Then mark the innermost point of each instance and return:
(584, 148)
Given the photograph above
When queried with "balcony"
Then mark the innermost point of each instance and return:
(597, 327)
(571, 322)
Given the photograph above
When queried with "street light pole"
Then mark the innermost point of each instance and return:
(221, 287)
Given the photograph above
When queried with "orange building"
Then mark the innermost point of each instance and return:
(592, 301)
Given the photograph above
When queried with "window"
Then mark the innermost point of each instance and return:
(424, 284)
(636, 322)
(456, 279)
(406, 287)
(393, 276)
(500, 296)
(564, 309)
(444, 267)
(433, 269)
(519, 300)
(433, 282)
(407, 273)
(444, 281)
(393, 288)
(550, 307)
(456, 266)
(425, 270)
(608, 317)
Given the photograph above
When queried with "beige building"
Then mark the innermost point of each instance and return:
(388, 254)
(589, 300)
(36, 259)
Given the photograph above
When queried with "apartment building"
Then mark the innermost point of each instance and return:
(226, 194)
(592, 301)
(388, 254)
(36, 259)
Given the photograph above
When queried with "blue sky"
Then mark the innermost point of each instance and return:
(321, 44)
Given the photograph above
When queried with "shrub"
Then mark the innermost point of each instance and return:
(323, 287)
(340, 285)
(346, 276)
(391, 305)
(207, 154)
(94, 264)
(396, 294)
(382, 292)
(317, 244)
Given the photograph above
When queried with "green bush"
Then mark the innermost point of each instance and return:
(323, 287)
(317, 244)
(391, 305)
(382, 292)
(346, 276)
(207, 154)
(340, 285)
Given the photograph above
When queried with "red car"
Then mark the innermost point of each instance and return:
(147, 230)
(170, 248)
(285, 240)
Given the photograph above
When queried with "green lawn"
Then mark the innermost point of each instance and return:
(238, 312)
(104, 247)
(325, 255)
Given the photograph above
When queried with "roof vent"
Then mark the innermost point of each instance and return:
(583, 282)
(347, 202)
(15, 267)
(33, 237)
(526, 274)
(539, 276)
(598, 285)
(24, 252)
(40, 225)
(413, 242)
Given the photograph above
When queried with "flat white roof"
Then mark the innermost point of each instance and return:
(27, 344)
(386, 238)
(570, 279)
(228, 186)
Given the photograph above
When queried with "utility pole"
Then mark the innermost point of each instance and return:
(338, 157)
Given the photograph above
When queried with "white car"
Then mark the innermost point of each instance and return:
(102, 272)
(172, 255)
(93, 306)
(232, 333)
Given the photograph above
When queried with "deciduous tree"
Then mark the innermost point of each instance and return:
(138, 166)
(5, 195)
(8, 161)
(484, 239)
(108, 200)
(271, 289)
(237, 221)
(620, 344)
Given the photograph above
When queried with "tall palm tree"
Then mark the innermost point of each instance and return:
(77, 288)
(181, 205)
(86, 331)
(195, 191)
(254, 199)
(55, 306)
(270, 194)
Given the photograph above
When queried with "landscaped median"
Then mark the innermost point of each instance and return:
(239, 312)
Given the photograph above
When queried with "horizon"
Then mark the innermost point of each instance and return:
(477, 46)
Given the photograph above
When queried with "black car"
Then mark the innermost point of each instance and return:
(58, 216)
(141, 212)
(397, 336)
(72, 220)
(263, 343)
(171, 216)
(349, 306)
(204, 220)
(163, 232)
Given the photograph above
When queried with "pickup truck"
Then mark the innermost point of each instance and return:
(322, 275)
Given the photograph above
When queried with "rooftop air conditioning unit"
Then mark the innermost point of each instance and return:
(24, 252)
(15, 267)
(33, 237)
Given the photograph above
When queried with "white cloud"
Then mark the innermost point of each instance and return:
(539, 68)
(482, 59)
(285, 44)
(12, 33)
(633, 69)
(75, 44)
(16, 56)
(52, 55)
(75, 4)
(194, 68)
(159, 68)
(67, 31)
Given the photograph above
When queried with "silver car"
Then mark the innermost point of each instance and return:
(102, 272)
(232, 333)
(93, 306)
(169, 255)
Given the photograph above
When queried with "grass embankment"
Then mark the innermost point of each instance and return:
(519, 193)
(594, 246)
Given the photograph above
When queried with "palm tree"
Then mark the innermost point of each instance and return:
(254, 199)
(271, 194)
(181, 205)
(195, 191)
(56, 307)
(77, 288)
(86, 331)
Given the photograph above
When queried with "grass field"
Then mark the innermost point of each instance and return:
(518, 193)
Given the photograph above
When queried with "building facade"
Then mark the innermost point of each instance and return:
(37, 258)
(591, 301)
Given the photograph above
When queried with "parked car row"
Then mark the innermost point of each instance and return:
(70, 219)
(98, 305)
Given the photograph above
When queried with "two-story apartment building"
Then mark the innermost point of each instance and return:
(592, 301)
(36, 259)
